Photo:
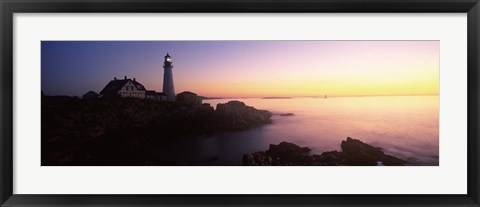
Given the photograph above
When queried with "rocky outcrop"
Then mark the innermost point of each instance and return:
(282, 154)
(258, 158)
(359, 153)
(354, 153)
(235, 115)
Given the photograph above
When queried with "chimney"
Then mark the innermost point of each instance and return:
(125, 77)
(133, 79)
(114, 78)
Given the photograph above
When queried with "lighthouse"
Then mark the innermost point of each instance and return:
(168, 89)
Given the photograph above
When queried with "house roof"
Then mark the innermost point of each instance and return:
(138, 85)
(114, 86)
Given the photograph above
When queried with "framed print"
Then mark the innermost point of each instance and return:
(234, 103)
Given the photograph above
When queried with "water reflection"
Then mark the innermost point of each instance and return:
(403, 126)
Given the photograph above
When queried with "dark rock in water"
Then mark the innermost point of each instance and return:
(235, 115)
(258, 158)
(285, 151)
(282, 154)
(359, 153)
(331, 158)
(354, 153)
(287, 114)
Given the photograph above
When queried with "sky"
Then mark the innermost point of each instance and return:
(246, 68)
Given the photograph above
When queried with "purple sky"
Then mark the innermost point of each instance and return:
(246, 68)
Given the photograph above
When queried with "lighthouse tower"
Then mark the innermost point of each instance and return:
(168, 89)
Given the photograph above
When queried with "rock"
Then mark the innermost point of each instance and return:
(285, 150)
(257, 158)
(359, 153)
(233, 104)
(287, 114)
(354, 153)
(392, 161)
(235, 115)
(331, 158)
(282, 154)
(96, 131)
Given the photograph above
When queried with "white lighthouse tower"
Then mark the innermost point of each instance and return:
(168, 89)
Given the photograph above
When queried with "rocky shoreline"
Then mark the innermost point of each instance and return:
(130, 132)
(124, 131)
(354, 153)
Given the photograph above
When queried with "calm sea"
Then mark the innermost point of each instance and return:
(403, 126)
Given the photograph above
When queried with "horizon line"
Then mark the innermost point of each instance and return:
(286, 97)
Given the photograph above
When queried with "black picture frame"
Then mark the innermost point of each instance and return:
(9, 7)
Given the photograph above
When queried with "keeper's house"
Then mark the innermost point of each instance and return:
(124, 88)
(129, 88)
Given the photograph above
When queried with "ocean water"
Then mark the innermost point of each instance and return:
(403, 126)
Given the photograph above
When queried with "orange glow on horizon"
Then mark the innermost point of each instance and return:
(388, 83)
(332, 68)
